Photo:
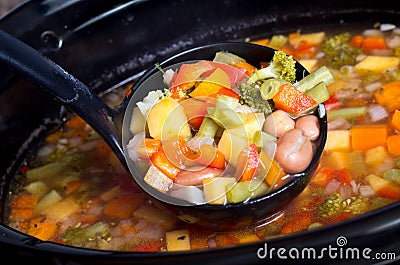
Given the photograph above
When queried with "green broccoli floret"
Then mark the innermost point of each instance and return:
(250, 95)
(282, 66)
(335, 205)
(81, 235)
(331, 206)
(338, 51)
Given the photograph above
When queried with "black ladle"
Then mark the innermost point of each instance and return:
(113, 123)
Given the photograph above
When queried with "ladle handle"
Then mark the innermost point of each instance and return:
(47, 75)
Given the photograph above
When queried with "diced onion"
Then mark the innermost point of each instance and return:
(133, 145)
(168, 75)
(366, 191)
(393, 42)
(387, 27)
(332, 186)
(354, 186)
(46, 150)
(338, 123)
(373, 86)
(345, 191)
(377, 112)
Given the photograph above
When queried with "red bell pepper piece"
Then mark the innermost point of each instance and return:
(160, 160)
(247, 163)
(292, 100)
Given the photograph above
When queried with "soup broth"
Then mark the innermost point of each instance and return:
(75, 191)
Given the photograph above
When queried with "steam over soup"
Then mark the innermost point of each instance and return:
(75, 191)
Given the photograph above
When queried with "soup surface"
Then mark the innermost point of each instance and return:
(75, 191)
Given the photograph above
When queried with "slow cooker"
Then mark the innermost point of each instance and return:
(109, 43)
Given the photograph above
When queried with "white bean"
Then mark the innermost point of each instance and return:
(278, 123)
(294, 151)
(309, 125)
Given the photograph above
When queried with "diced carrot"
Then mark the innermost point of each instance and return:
(294, 35)
(42, 228)
(122, 206)
(389, 96)
(356, 41)
(292, 100)
(21, 214)
(288, 50)
(305, 53)
(128, 92)
(373, 43)
(148, 247)
(128, 227)
(148, 147)
(395, 120)
(85, 218)
(226, 239)
(25, 201)
(210, 156)
(247, 163)
(263, 42)
(322, 177)
(300, 223)
(248, 67)
(343, 175)
(102, 149)
(340, 217)
(326, 174)
(75, 123)
(72, 186)
(54, 137)
(393, 144)
(364, 137)
(199, 242)
(390, 192)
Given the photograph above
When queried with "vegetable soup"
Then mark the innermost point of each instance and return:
(74, 191)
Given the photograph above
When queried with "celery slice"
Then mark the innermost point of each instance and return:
(225, 117)
(392, 174)
(241, 191)
(321, 74)
(228, 58)
(319, 93)
(270, 87)
(45, 171)
(208, 128)
(347, 113)
(278, 41)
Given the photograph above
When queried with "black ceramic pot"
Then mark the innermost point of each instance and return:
(104, 42)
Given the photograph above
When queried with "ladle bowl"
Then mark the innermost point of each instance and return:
(113, 124)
